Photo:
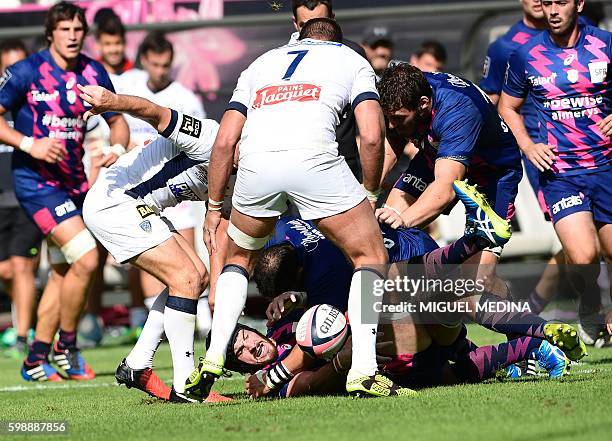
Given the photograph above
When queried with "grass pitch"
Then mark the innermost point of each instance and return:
(575, 408)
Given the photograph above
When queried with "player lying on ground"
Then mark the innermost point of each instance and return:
(123, 209)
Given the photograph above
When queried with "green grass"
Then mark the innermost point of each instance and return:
(577, 407)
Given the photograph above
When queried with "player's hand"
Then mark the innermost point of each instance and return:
(49, 150)
(105, 160)
(255, 385)
(389, 217)
(282, 305)
(101, 99)
(211, 223)
(608, 321)
(605, 125)
(540, 155)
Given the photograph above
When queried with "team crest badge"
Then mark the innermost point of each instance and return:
(598, 71)
(146, 226)
(572, 75)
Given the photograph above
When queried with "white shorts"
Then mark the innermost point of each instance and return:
(182, 216)
(319, 184)
(125, 226)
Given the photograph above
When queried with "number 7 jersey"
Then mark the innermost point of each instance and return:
(293, 96)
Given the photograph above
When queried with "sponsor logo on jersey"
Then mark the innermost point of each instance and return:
(144, 211)
(182, 192)
(268, 96)
(415, 182)
(38, 96)
(456, 81)
(598, 71)
(65, 208)
(568, 202)
(541, 81)
(146, 226)
(573, 75)
(311, 236)
(191, 126)
(5, 77)
(569, 59)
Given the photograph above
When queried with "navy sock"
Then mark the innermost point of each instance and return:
(38, 351)
(511, 322)
(67, 339)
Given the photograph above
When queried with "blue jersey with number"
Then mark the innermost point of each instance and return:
(572, 91)
(327, 274)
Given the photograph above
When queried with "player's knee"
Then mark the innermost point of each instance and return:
(188, 282)
(583, 256)
(87, 263)
(6, 270)
(81, 251)
(22, 265)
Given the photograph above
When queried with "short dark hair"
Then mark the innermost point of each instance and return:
(326, 29)
(310, 5)
(276, 270)
(63, 11)
(402, 86)
(433, 48)
(12, 44)
(157, 43)
(111, 25)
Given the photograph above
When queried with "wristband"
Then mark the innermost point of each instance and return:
(372, 195)
(117, 149)
(213, 202)
(26, 144)
(395, 210)
(278, 376)
(213, 208)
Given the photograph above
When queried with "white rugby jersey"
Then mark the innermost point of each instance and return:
(170, 169)
(175, 96)
(293, 96)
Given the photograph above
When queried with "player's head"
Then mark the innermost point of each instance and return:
(532, 9)
(156, 54)
(377, 42)
(11, 51)
(431, 57)
(65, 29)
(405, 97)
(304, 10)
(248, 350)
(324, 29)
(562, 15)
(277, 271)
(110, 37)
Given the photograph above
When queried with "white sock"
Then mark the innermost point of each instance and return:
(230, 299)
(138, 315)
(203, 317)
(363, 361)
(180, 327)
(148, 301)
(142, 353)
(14, 315)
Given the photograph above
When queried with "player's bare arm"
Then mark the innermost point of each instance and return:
(541, 155)
(47, 149)
(432, 202)
(103, 100)
(220, 169)
(370, 121)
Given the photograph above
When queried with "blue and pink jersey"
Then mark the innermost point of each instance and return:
(44, 101)
(496, 62)
(571, 90)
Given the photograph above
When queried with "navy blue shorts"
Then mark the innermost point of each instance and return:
(499, 185)
(566, 195)
(47, 205)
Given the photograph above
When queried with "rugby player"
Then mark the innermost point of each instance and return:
(459, 135)
(50, 183)
(20, 239)
(288, 156)
(564, 72)
(124, 211)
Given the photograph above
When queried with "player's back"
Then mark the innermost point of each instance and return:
(293, 96)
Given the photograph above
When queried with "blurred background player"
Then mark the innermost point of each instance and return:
(50, 183)
(20, 240)
(564, 71)
(346, 130)
(155, 83)
(430, 57)
(377, 42)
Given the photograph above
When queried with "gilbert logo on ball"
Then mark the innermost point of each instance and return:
(322, 331)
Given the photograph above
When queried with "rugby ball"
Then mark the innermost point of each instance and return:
(322, 331)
